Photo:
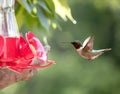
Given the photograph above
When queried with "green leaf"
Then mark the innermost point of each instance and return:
(43, 5)
(42, 18)
(26, 5)
(51, 6)
(20, 17)
(63, 10)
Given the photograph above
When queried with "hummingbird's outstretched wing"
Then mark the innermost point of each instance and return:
(88, 44)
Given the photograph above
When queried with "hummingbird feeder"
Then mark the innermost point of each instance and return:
(16, 52)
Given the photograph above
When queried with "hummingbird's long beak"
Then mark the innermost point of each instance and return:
(66, 42)
(76, 44)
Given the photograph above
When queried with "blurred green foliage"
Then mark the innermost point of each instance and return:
(42, 14)
(72, 74)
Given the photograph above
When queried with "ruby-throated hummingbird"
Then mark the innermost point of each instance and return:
(86, 50)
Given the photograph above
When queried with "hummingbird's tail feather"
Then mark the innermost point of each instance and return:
(101, 50)
(107, 49)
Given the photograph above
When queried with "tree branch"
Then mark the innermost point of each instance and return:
(9, 77)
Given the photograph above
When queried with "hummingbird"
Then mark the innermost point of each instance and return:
(86, 51)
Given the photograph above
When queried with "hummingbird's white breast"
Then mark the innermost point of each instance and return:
(83, 53)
